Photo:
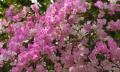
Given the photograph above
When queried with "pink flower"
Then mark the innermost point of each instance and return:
(40, 68)
(30, 69)
(15, 69)
(112, 44)
(35, 7)
(99, 4)
(101, 47)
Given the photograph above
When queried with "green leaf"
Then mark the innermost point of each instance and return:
(24, 2)
(49, 64)
(100, 57)
(4, 37)
(6, 67)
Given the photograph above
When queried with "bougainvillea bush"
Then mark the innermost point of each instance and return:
(69, 36)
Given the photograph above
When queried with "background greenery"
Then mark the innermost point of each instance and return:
(6, 3)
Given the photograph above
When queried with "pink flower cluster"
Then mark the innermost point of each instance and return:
(62, 39)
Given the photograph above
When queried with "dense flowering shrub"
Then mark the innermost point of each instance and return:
(70, 36)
